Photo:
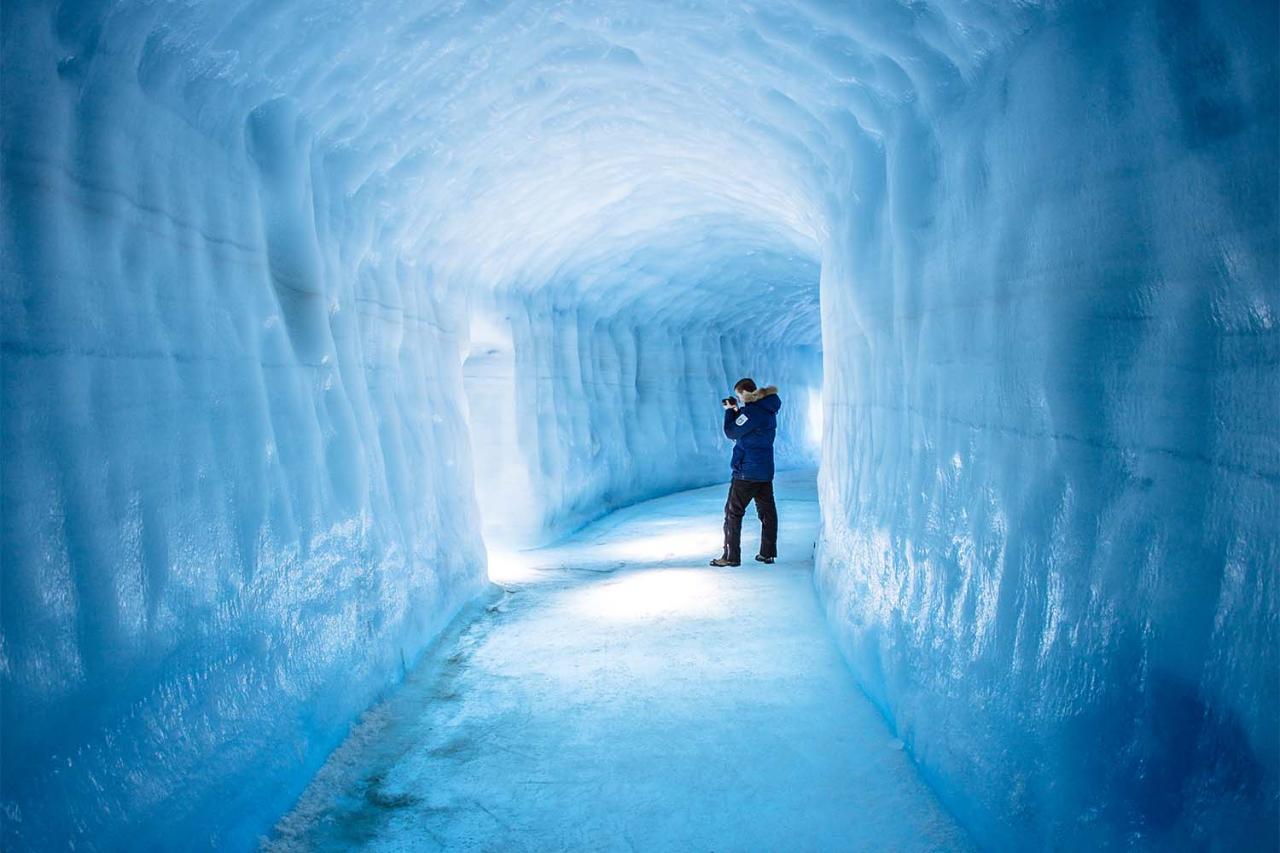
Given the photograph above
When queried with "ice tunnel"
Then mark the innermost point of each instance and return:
(307, 301)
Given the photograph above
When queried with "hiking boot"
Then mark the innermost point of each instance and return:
(721, 561)
(760, 558)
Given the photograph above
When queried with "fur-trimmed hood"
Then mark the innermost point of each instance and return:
(759, 394)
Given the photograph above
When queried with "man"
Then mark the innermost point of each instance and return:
(752, 428)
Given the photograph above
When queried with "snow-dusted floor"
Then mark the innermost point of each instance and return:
(625, 695)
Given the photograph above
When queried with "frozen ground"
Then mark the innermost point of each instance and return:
(622, 694)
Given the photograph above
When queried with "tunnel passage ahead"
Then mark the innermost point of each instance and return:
(246, 245)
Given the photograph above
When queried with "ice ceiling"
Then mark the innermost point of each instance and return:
(590, 148)
(299, 294)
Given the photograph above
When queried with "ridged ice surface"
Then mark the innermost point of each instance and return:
(304, 301)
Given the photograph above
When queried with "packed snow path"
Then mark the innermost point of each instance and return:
(623, 694)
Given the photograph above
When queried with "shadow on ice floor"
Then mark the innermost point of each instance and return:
(622, 694)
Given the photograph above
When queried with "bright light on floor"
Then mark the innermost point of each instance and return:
(705, 542)
(649, 594)
(510, 566)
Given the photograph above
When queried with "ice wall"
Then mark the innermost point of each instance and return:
(1051, 478)
(270, 268)
(236, 487)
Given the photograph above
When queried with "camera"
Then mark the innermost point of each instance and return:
(729, 402)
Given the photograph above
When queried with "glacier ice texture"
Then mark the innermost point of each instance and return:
(306, 302)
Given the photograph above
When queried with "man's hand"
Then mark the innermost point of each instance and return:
(729, 403)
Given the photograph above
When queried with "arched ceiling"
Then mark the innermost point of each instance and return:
(682, 154)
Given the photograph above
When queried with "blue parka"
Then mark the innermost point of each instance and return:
(752, 429)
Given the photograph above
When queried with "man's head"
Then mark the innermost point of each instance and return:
(744, 387)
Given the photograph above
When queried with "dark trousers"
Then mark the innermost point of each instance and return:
(741, 493)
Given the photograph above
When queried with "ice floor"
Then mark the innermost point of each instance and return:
(622, 694)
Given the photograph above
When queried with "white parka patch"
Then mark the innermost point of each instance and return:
(742, 419)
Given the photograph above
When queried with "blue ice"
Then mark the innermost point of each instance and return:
(310, 308)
